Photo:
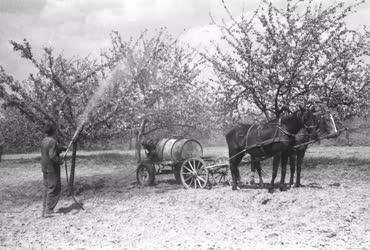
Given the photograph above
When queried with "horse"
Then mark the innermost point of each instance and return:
(267, 140)
(326, 127)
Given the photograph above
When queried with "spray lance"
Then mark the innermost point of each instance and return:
(75, 135)
(93, 102)
(78, 131)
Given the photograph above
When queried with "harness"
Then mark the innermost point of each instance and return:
(280, 128)
(275, 138)
(259, 143)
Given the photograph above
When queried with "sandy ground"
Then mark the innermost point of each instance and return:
(331, 212)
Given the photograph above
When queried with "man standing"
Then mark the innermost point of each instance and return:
(50, 163)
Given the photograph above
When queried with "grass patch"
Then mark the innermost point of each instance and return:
(312, 162)
(97, 158)
(21, 160)
(111, 158)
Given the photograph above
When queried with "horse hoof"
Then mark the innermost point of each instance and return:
(297, 185)
(271, 190)
(234, 187)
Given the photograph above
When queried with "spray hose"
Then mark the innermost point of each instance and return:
(65, 162)
(67, 179)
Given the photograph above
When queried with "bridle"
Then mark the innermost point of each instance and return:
(319, 116)
(308, 128)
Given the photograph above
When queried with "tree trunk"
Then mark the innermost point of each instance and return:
(348, 139)
(73, 166)
(130, 141)
(137, 146)
(139, 136)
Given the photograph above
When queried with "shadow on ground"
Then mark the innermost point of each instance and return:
(73, 207)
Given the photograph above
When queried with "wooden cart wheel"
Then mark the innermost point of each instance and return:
(221, 176)
(194, 173)
(145, 173)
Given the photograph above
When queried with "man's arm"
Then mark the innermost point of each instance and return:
(54, 152)
(61, 149)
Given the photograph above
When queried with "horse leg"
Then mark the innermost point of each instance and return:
(300, 156)
(253, 170)
(284, 161)
(259, 171)
(275, 166)
(237, 169)
(292, 163)
(234, 169)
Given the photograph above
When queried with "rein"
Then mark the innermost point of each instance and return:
(279, 127)
(235, 155)
(285, 131)
(320, 138)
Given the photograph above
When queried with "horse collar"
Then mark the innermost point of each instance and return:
(248, 132)
(284, 130)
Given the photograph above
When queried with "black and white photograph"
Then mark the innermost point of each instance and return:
(185, 124)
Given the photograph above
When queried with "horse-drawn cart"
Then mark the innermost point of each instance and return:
(185, 158)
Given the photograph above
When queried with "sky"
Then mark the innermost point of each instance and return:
(82, 27)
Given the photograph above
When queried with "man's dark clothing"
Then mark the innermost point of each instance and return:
(50, 164)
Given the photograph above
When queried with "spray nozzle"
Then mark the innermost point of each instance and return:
(74, 138)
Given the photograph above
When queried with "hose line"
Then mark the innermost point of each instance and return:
(71, 191)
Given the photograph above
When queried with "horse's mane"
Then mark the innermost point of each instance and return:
(296, 115)
(293, 116)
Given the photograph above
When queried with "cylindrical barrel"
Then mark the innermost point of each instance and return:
(178, 149)
(186, 148)
(159, 148)
(167, 150)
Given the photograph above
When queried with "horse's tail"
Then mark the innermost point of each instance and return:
(228, 137)
(231, 139)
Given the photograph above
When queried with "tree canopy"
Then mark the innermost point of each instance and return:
(301, 54)
(281, 57)
(141, 86)
(160, 85)
(59, 91)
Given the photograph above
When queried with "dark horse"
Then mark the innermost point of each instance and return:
(325, 128)
(267, 140)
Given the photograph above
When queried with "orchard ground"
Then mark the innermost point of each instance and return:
(331, 211)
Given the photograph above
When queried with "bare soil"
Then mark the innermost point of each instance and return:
(330, 212)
